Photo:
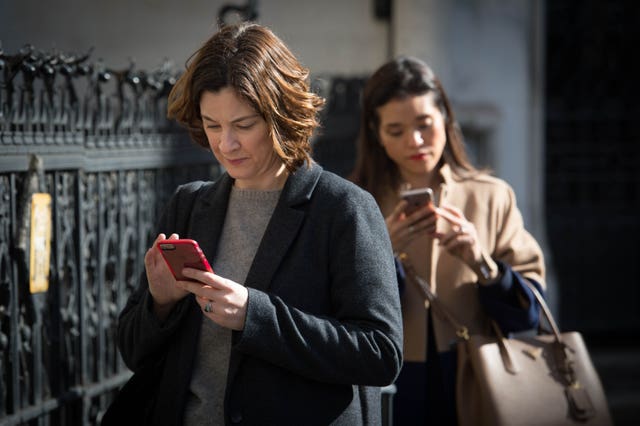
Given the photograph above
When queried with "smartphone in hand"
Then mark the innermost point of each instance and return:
(416, 198)
(183, 253)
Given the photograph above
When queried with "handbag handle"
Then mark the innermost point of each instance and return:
(545, 310)
(580, 404)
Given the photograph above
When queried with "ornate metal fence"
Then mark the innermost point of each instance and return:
(96, 140)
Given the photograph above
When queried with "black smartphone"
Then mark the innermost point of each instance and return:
(183, 253)
(416, 198)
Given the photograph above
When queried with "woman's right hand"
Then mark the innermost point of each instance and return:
(162, 284)
(403, 229)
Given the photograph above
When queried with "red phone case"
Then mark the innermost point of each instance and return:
(184, 253)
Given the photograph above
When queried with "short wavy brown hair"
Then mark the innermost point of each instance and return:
(254, 62)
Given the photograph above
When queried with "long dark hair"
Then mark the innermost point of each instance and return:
(254, 62)
(399, 79)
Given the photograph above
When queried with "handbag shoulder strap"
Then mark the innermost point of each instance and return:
(461, 330)
(508, 358)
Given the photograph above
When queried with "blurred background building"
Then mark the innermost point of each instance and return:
(545, 91)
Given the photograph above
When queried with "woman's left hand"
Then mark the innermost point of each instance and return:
(462, 239)
(222, 300)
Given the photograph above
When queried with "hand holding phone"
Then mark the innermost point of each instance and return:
(183, 253)
(416, 198)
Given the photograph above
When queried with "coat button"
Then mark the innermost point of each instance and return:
(236, 417)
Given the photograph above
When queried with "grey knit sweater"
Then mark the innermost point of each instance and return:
(247, 217)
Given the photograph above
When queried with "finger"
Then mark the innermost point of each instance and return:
(428, 230)
(152, 249)
(160, 237)
(198, 275)
(453, 210)
(426, 226)
(152, 255)
(208, 279)
(398, 211)
(421, 217)
(195, 287)
(449, 215)
(460, 246)
(446, 238)
(202, 299)
(457, 243)
(429, 218)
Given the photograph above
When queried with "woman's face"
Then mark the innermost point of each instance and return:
(412, 132)
(239, 139)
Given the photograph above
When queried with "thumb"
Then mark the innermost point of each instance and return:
(398, 211)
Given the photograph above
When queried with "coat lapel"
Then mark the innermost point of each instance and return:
(208, 216)
(211, 208)
(283, 227)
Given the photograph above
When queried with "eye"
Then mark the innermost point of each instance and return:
(246, 126)
(212, 127)
(394, 131)
(427, 123)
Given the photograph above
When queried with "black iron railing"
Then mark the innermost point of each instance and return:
(95, 139)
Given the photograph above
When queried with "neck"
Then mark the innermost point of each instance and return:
(273, 179)
(431, 179)
(281, 177)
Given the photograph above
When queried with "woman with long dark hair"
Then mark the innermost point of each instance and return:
(469, 244)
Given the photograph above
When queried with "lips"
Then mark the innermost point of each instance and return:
(234, 162)
(419, 156)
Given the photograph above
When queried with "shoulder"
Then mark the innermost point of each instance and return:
(187, 195)
(485, 180)
(342, 190)
(487, 186)
(188, 191)
(200, 187)
(192, 187)
(483, 194)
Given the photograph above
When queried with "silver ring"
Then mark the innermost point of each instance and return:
(208, 307)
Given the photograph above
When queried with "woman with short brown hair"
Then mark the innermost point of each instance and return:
(299, 321)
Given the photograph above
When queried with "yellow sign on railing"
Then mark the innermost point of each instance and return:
(40, 247)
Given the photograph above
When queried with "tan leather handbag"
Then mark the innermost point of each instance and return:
(543, 379)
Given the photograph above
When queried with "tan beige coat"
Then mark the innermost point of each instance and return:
(490, 204)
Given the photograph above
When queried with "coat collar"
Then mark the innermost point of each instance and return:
(287, 218)
(284, 225)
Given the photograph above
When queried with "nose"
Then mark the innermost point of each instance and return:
(415, 138)
(228, 141)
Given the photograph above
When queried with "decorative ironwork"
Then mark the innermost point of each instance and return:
(246, 12)
(97, 140)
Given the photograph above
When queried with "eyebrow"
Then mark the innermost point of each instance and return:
(418, 118)
(245, 117)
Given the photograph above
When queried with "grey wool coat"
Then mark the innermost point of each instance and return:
(323, 329)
